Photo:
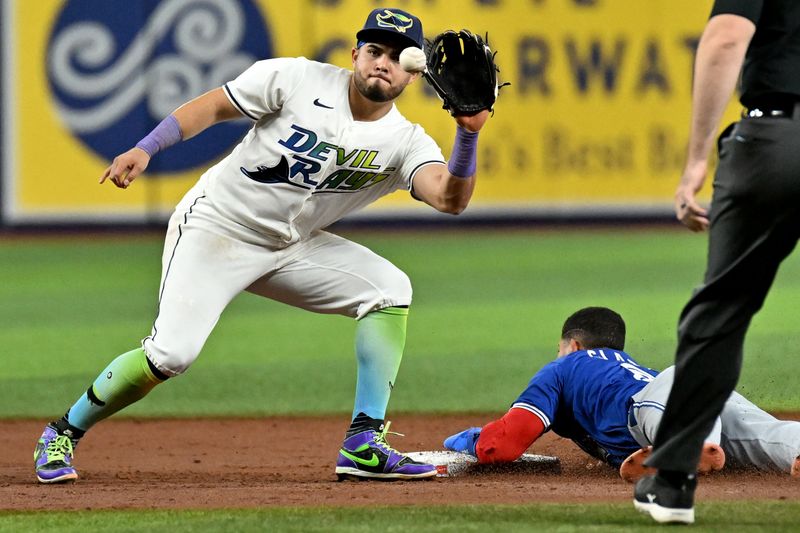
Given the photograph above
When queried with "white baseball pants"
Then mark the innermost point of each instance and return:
(207, 262)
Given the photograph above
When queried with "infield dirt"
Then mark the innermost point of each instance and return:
(285, 461)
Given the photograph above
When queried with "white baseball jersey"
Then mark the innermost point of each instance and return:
(307, 163)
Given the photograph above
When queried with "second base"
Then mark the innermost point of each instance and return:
(450, 464)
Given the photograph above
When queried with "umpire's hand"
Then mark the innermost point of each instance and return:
(126, 167)
(687, 210)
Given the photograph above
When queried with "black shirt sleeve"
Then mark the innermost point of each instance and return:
(749, 9)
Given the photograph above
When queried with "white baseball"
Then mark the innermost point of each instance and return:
(412, 59)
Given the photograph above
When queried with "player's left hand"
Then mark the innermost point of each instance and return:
(464, 441)
(473, 122)
(462, 71)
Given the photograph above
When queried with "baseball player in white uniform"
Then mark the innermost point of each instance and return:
(325, 142)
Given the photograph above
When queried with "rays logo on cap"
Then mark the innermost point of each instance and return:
(116, 69)
(394, 20)
(396, 24)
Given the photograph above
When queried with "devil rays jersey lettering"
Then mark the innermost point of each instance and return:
(306, 162)
(585, 397)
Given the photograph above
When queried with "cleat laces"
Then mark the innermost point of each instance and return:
(59, 449)
(380, 439)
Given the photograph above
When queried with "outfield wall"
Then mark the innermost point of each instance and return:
(595, 121)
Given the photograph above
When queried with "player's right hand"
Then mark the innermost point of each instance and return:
(464, 441)
(126, 167)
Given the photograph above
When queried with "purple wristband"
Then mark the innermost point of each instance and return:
(464, 159)
(167, 133)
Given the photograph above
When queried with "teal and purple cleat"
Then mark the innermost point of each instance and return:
(53, 457)
(367, 455)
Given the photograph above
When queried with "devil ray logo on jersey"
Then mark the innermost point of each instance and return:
(358, 167)
(277, 174)
(118, 68)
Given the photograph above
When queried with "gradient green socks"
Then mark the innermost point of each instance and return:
(380, 339)
(126, 380)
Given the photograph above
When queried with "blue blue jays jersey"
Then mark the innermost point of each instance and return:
(585, 397)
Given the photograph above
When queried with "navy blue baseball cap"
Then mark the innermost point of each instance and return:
(392, 24)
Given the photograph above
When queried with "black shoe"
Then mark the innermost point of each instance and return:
(663, 502)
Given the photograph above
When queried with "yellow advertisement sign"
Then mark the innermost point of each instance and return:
(88, 78)
(596, 116)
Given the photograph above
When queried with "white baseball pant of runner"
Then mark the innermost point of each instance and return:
(749, 435)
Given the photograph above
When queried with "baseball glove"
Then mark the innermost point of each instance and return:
(462, 71)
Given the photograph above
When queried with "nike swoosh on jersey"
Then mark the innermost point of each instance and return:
(271, 175)
(320, 104)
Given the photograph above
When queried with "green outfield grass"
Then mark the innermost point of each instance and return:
(487, 313)
(767, 516)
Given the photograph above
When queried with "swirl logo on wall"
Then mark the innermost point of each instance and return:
(116, 69)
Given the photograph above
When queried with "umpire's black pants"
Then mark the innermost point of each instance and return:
(755, 224)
